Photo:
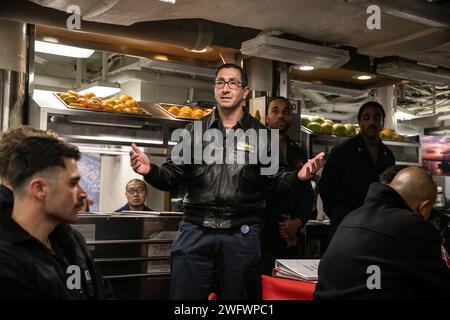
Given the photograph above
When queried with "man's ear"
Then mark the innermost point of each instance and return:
(38, 187)
(246, 91)
(422, 209)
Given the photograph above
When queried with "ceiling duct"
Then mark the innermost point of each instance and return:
(191, 34)
(414, 72)
(301, 53)
(177, 68)
(423, 12)
(353, 93)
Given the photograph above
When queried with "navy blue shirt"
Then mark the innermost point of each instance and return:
(347, 175)
(127, 208)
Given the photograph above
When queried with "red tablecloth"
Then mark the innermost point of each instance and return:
(285, 289)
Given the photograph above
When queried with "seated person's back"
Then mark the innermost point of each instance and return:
(386, 249)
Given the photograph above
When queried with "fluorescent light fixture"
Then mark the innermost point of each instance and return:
(178, 68)
(304, 68)
(301, 53)
(415, 17)
(207, 49)
(112, 139)
(329, 89)
(364, 77)
(411, 71)
(423, 12)
(62, 50)
(101, 89)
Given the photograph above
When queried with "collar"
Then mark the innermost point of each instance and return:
(359, 138)
(12, 232)
(126, 207)
(215, 122)
(6, 194)
(380, 192)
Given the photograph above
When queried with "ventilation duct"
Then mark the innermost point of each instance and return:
(191, 34)
(301, 53)
(414, 72)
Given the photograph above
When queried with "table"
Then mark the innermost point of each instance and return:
(274, 288)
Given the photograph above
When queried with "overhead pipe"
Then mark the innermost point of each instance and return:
(159, 78)
(191, 34)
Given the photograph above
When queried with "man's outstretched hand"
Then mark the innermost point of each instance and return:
(310, 168)
(139, 161)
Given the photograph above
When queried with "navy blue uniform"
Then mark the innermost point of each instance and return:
(279, 205)
(346, 177)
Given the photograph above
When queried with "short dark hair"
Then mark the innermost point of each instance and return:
(36, 154)
(244, 77)
(389, 174)
(277, 98)
(371, 104)
(136, 180)
(13, 137)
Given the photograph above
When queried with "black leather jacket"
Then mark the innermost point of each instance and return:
(233, 192)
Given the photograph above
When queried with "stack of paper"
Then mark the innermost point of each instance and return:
(297, 269)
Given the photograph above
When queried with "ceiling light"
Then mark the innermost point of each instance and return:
(304, 68)
(50, 39)
(101, 89)
(301, 53)
(161, 57)
(207, 49)
(62, 50)
(364, 77)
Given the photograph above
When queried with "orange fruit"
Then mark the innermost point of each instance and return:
(186, 109)
(174, 110)
(184, 114)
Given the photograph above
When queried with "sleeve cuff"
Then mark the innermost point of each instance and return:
(153, 174)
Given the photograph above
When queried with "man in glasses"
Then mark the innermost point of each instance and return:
(218, 242)
(136, 192)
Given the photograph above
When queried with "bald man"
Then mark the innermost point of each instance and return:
(386, 249)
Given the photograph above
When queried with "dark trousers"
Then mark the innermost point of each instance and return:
(224, 261)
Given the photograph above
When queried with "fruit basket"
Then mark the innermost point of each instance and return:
(88, 101)
(185, 112)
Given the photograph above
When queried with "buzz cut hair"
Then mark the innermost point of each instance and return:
(136, 180)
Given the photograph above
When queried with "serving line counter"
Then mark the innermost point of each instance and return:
(132, 250)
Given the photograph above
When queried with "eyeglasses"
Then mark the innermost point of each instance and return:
(137, 190)
(232, 84)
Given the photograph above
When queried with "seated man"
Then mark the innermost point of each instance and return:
(8, 142)
(386, 249)
(136, 192)
(41, 256)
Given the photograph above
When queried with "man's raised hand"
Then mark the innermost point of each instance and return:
(139, 160)
(310, 168)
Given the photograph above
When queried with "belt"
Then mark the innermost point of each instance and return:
(216, 223)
